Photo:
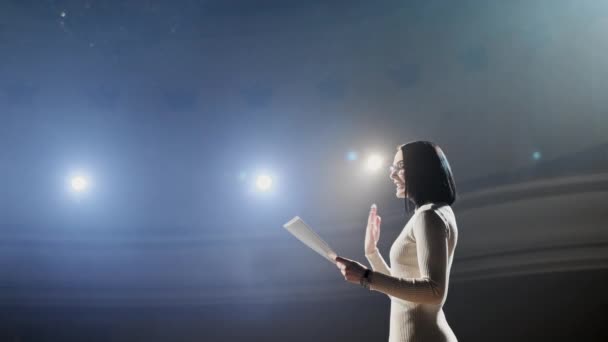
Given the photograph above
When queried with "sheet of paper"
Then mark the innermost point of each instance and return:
(304, 233)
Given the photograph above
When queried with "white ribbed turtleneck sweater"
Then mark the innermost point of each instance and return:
(417, 281)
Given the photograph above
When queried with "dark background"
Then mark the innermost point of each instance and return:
(556, 307)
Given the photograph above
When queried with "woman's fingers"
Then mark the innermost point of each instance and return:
(371, 218)
(375, 230)
(372, 215)
(342, 266)
(341, 262)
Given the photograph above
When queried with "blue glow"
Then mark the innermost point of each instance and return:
(352, 156)
(536, 155)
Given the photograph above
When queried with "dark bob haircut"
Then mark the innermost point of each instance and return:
(428, 176)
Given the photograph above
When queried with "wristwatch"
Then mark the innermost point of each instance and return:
(365, 281)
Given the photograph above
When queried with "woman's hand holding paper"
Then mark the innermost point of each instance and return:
(351, 270)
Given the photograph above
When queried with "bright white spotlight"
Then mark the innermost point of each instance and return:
(374, 162)
(263, 182)
(79, 184)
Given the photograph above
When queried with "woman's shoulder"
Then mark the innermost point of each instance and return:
(440, 208)
(436, 212)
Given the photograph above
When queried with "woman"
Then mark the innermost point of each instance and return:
(421, 256)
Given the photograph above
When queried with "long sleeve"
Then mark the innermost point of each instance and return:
(377, 261)
(431, 236)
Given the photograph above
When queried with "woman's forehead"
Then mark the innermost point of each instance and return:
(398, 157)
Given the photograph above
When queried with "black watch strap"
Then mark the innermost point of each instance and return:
(365, 279)
(366, 274)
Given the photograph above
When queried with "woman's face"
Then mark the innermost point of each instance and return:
(397, 175)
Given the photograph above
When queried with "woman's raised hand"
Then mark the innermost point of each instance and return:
(372, 232)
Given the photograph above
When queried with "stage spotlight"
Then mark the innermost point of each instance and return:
(374, 162)
(79, 183)
(263, 182)
(536, 155)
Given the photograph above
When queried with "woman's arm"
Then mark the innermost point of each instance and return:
(378, 264)
(431, 236)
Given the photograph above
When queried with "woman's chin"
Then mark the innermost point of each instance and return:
(400, 194)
